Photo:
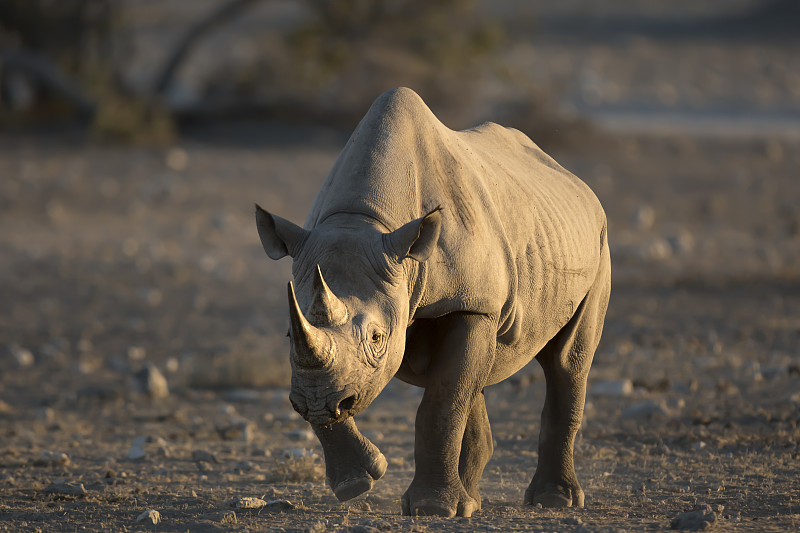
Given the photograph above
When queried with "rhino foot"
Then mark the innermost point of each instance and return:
(555, 495)
(349, 481)
(352, 462)
(447, 502)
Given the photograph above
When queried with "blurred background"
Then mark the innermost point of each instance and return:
(136, 136)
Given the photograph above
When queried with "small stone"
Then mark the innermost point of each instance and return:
(227, 517)
(246, 502)
(699, 445)
(702, 517)
(644, 410)
(49, 458)
(66, 488)
(644, 217)
(136, 453)
(279, 505)
(237, 429)
(622, 387)
(573, 521)
(203, 456)
(297, 453)
(150, 381)
(23, 356)
(151, 516)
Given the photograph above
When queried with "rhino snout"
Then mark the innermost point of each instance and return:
(298, 403)
(334, 408)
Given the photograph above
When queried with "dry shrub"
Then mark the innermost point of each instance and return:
(348, 51)
(297, 470)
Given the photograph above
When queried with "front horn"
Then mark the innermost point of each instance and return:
(313, 348)
(326, 309)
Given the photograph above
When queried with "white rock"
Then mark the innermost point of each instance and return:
(136, 452)
(49, 458)
(246, 502)
(22, 356)
(297, 453)
(644, 217)
(151, 516)
(645, 410)
(150, 381)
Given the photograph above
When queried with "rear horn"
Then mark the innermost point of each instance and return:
(326, 309)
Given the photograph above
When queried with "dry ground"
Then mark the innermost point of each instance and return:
(113, 258)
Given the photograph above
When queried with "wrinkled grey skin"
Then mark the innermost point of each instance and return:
(448, 260)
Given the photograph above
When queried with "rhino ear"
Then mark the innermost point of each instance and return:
(417, 239)
(279, 237)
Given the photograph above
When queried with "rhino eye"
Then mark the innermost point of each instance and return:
(376, 337)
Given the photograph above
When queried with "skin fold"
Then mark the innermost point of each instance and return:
(447, 259)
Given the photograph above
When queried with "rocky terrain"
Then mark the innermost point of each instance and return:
(145, 368)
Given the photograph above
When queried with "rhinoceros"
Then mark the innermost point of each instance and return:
(447, 259)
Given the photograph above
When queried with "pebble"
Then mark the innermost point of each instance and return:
(573, 521)
(23, 356)
(622, 387)
(203, 456)
(297, 453)
(151, 516)
(702, 517)
(644, 217)
(136, 453)
(137, 450)
(246, 502)
(237, 429)
(645, 410)
(279, 505)
(228, 517)
(66, 488)
(49, 458)
(150, 381)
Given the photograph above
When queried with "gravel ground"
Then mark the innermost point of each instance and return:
(116, 259)
(144, 363)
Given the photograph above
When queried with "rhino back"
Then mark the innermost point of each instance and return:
(521, 236)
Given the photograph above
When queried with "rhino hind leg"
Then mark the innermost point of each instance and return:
(476, 448)
(566, 360)
(352, 462)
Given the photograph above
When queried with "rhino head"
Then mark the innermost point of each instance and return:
(348, 327)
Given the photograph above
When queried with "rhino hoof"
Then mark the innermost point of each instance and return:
(378, 467)
(350, 488)
(347, 490)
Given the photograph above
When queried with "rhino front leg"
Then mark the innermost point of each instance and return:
(352, 462)
(476, 448)
(566, 360)
(454, 380)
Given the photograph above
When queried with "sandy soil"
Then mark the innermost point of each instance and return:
(117, 259)
(114, 258)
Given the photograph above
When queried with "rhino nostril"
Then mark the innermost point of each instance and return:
(347, 404)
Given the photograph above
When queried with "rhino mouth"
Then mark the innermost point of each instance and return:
(331, 413)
